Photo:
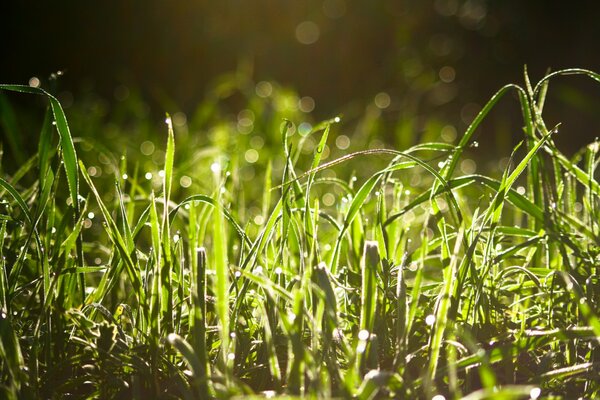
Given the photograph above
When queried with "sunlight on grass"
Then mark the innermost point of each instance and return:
(264, 253)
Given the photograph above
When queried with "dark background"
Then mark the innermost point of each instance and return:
(176, 49)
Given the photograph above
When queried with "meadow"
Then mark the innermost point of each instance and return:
(249, 251)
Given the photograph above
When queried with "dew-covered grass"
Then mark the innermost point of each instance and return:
(262, 253)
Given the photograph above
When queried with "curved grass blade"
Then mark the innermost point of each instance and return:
(66, 140)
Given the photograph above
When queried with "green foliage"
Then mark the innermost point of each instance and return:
(374, 274)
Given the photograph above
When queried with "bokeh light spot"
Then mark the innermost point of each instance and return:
(306, 104)
(342, 142)
(382, 100)
(328, 199)
(179, 119)
(185, 181)
(263, 89)
(307, 32)
(147, 148)
(304, 128)
(251, 156)
(447, 74)
(468, 166)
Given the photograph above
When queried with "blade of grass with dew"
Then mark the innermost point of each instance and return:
(218, 207)
(45, 146)
(368, 298)
(353, 210)
(117, 239)
(155, 321)
(186, 350)
(444, 304)
(66, 141)
(222, 277)
(198, 320)
(18, 265)
(166, 266)
(10, 350)
(4, 304)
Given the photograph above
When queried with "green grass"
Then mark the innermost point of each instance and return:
(246, 255)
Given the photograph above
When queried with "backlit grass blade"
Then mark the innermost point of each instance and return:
(66, 141)
(45, 146)
(466, 137)
(442, 308)
(10, 350)
(117, 240)
(165, 231)
(198, 321)
(370, 264)
(219, 242)
(4, 305)
(355, 206)
(219, 208)
(186, 350)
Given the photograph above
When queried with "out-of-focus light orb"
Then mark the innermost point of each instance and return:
(179, 119)
(34, 81)
(328, 199)
(147, 148)
(448, 133)
(263, 89)
(306, 104)
(447, 74)
(93, 171)
(342, 142)
(334, 9)
(304, 128)
(246, 117)
(382, 100)
(468, 166)
(251, 156)
(307, 32)
(185, 181)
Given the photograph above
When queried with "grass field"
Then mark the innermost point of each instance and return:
(262, 253)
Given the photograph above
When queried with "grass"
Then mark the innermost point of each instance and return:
(249, 257)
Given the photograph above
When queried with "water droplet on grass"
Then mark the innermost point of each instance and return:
(363, 334)
(430, 319)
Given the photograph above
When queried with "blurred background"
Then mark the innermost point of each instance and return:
(405, 62)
